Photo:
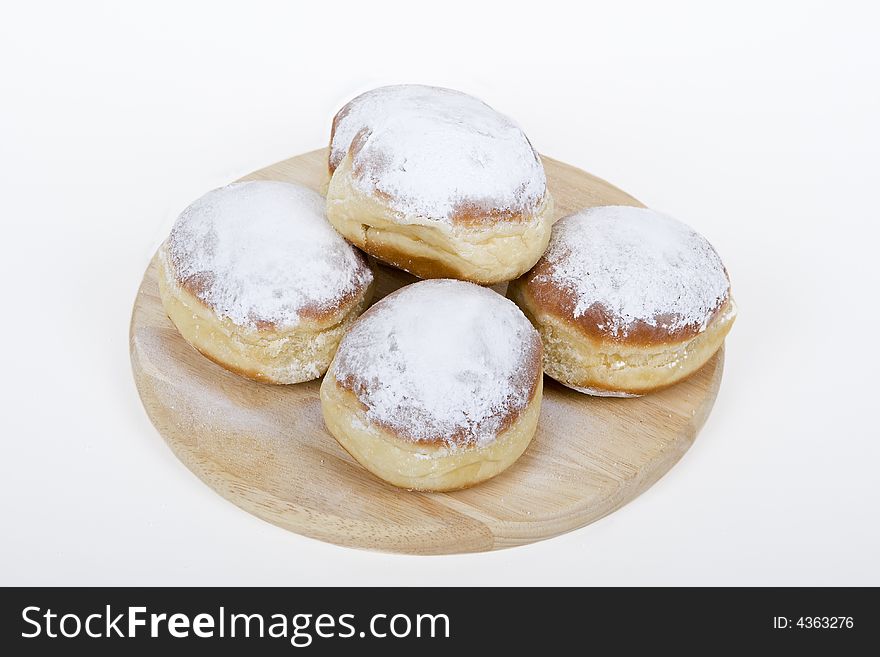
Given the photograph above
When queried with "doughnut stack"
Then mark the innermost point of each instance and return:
(438, 386)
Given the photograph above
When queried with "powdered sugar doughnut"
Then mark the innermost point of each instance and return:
(255, 278)
(627, 300)
(436, 182)
(436, 387)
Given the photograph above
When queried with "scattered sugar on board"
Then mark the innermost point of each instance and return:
(200, 403)
(440, 358)
(264, 251)
(433, 151)
(639, 265)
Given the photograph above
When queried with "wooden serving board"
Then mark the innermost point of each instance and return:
(265, 448)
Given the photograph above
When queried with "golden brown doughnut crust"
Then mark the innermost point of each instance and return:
(486, 232)
(528, 377)
(596, 322)
(471, 214)
(627, 300)
(254, 277)
(437, 386)
(419, 465)
(584, 357)
(484, 254)
(264, 352)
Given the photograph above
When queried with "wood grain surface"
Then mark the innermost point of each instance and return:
(265, 447)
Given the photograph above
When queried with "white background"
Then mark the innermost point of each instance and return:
(756, 124)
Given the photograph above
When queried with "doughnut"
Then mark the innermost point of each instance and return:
(254, 278)
(436, 387)
(627, 301)
(437, 183)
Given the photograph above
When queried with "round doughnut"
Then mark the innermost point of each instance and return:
(627, 301)
(437, 183)
(254, 277)
(436, 387)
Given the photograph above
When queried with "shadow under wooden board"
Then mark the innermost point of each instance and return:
(265, 447)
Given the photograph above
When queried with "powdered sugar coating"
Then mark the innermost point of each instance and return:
(434, 153)
(441, 360)
(639, 266)
(263, 252)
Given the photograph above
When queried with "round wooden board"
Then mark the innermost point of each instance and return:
(265, 447)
